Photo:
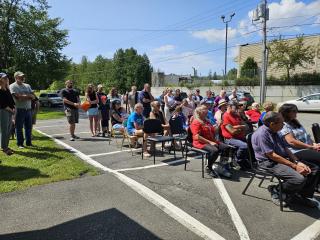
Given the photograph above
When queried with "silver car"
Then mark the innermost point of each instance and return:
(50, 99)
(306, 103)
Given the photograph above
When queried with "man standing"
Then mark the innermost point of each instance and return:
(272, 154)
(197, 98)
(146, 98)
(133, 98)
(71, 102)
(22, 95)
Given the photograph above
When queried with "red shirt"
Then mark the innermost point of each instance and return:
(254, 115)
(233, 121)
(205, 130)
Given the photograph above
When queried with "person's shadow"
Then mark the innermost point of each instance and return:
(108, 224)
(9, 173)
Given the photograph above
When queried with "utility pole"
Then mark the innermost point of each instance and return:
(262, 13)
(226, 42)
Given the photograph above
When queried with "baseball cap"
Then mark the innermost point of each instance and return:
(18, 74)
(3, 75)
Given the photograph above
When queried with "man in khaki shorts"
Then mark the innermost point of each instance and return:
(71, 103)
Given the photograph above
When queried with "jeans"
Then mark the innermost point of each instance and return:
(5, 128)
(242, 149)
(23, 120)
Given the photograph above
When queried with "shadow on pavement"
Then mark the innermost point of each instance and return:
(108, 224)
(8, 173)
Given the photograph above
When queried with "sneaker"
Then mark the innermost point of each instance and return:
(75, 137)
(275, 195)
(21, 146)
(213, 174)
(235, 165)
(72, 139)
(223, 171)
(146, 154)
(29, 145)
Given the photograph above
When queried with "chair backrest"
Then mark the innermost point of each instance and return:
(189, 135)
(152, 126)
(316, 132)
(176, 126)
(252, 158)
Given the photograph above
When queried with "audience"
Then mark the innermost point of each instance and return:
(222, 108)
(254, 113)
(267, 106)
(145, 98)
(157, 114)
(272, 154)
(169, 104)
(92, 98)
(117, 116)
(197, 97)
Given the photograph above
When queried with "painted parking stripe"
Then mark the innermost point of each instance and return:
(63, 134)
(237, 221)
(48, 126)
(173, 211)
(150, 166)
(110, 153)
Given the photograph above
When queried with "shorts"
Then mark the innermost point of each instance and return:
(72, 115)
(117, 126)
(92, 112)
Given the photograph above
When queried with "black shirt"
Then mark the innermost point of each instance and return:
(6, 99)
(71, 95)
(178, 98)
(93, 97)
(113, 120)
(100, 94)
(160, 117)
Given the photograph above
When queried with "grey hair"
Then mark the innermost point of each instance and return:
(197, 112)
(271, 117)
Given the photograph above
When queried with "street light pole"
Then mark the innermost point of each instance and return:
(226, 42)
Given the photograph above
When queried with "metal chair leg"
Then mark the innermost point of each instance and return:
(185, 159)
(271, 180)
(154, 153)
(249, 183)
(181, 147)
(280, 196)
(202, 158)
(262, 180)
(174, 152)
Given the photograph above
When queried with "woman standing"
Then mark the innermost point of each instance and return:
(6, 113)
(169, 104)
(203, 136)
(92, 98)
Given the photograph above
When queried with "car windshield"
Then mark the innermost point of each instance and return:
(52, 95)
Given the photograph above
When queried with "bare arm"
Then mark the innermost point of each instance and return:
(298, 144)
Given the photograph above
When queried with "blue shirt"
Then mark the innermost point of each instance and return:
(261, 118)
(298, 133)
(134, 118)
(211, 118)
(265, 141)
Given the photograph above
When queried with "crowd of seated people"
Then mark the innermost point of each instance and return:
(281, 144)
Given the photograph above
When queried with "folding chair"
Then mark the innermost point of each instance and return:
(259, 171)
(178, 133)
(153, 126)
(316, 132)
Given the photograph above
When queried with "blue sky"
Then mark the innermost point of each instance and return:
(92, 26)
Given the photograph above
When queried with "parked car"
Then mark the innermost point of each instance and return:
(50, 99)
(306, 103)
(243, 96)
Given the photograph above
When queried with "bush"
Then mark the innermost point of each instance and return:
(56, 85)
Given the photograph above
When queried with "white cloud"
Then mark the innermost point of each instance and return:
(164, 48)
(285, 13)
(182, 63)
(214, 35)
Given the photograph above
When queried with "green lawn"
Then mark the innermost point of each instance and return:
(43, 163)
(46, 113)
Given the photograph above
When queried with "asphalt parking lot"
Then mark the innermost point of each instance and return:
(134, 199)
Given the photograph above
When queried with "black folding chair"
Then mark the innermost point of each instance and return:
(178, 133)
(256, 171)
(153, 126)
(316, 132)
(189, 148)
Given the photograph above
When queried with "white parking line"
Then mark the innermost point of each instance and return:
(48, 126)
(173, 211)
(110, 153)
(63, 134)
(150, 166)
(241, 228)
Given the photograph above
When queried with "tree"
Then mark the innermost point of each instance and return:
(249, 68)
(232, 74)
(286, 55)
(31, 41)
(215, 76)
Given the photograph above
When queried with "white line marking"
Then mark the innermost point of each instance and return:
(241, 228)
(48, 126)
(63, 134)
(311, 232)
(110, 153)
(150, 166)
(173, 211)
